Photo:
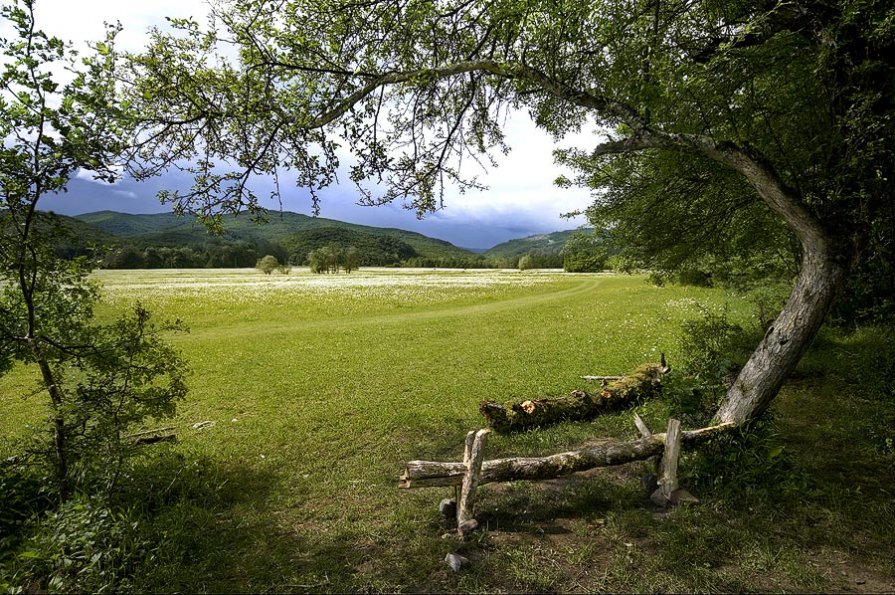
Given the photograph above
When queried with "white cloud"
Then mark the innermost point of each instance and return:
(522, 187)
(90, 176)
(82, 20)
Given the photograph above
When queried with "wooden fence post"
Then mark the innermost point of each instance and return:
(664, 494)
(473, 455)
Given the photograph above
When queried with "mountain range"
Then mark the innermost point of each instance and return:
(290, 230)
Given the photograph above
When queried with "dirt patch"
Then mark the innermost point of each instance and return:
(847, 575)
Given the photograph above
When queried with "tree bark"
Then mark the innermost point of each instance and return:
(821, 278)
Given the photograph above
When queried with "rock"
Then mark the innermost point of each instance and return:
(467, 527)
(682, 496)
(448, 509)
(658, 498)
(456, 561)
(649, 484)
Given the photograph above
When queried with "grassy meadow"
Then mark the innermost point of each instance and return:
(321, 387)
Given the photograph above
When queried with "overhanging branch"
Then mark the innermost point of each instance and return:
(757, 170)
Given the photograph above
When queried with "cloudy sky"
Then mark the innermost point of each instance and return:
(521, 199)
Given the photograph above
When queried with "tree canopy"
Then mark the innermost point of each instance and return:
(723, 126)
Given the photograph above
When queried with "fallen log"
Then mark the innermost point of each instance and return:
(154, 439)
(152, 436)
(643, 383)
(424, 474)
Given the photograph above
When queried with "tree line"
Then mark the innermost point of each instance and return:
(581, 253)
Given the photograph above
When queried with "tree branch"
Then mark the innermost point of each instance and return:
(759, 172)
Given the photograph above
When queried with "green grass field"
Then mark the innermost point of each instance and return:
(321, 387)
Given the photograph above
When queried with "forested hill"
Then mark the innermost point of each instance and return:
(167, 229)
(546, 243)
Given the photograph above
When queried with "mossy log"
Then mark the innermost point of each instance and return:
(643, 383)
(424, 474)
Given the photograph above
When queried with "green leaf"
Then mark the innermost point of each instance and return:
(29, 555)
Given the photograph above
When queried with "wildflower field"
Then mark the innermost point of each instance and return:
(319, 387)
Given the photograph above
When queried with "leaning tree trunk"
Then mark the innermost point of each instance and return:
(824, 266)
(825, 261)
(822, 276)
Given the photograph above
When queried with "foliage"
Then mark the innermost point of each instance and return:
(326, 259)
(713, 346)
(268, 264)
(372, 249)
(540, 259)
(690, 221)
(351, 258)
(451, 262)
(214, 253)
(83, 546)
(584, 253)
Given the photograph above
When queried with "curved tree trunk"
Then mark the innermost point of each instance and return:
(823, 271)
(822, 276)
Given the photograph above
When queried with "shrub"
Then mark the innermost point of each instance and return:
(714, 349)
(82, 547)
(268, 264)
(713, 346)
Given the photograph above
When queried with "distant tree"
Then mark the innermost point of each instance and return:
(350, 259)
(316, 261)
(124, 257)
(332, 255)
(153, 258)
(584, 253)
(526, 262)
(268, 264)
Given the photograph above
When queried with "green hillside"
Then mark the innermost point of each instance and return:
(544, 243)
(128, 225)
(166, 229)
(73, 237)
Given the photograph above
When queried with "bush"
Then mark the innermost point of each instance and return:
(713, 346)
(268, 264)
(714, 349)
(750, 461)
(747, 464)
(83, 547)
